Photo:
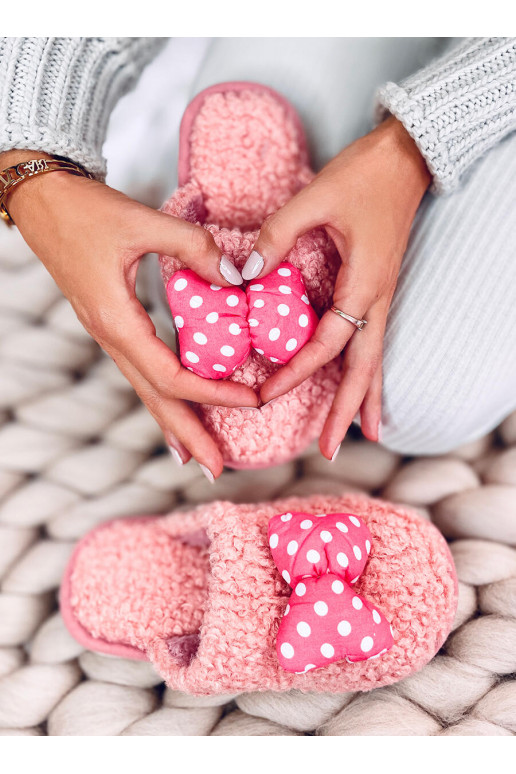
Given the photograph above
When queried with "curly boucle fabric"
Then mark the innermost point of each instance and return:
(243, 155)
(143, 583)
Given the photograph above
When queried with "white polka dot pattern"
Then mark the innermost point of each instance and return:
(327, 620)
(344, 628)
(321, 608)
(304, 629)
(286, 323)
(210, 319)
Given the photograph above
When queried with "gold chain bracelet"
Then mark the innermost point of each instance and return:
(13, 176)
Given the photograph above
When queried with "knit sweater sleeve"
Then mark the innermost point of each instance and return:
(56, 94)
(457, 107)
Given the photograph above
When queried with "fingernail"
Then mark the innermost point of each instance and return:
(229, 271)
(176, 448)
(253, 266)
(176, 456)
(207, 472)
(335, 452)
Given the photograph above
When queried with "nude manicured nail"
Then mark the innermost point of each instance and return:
(177, 450)
(253, 266)
(335, 452)
(207, 472)
(229, 271)
(176, 456)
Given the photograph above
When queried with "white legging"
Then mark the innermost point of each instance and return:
(450, 343)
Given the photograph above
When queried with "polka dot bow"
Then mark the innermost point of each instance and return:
(218, 326)
(321, 557)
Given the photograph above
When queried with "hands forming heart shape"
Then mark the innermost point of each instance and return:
(321, 557)
(218, 326)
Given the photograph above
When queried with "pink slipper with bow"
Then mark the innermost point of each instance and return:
(320, 594)
(242, 156)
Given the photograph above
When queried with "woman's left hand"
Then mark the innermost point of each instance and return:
(366, 199)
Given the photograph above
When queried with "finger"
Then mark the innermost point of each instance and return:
(280, 231)
(359, 367)
(176, 419)
(130, 331)
(191, 243)
(371, 408)
(331, 336)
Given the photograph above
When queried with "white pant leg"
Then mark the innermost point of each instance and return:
(450, 343)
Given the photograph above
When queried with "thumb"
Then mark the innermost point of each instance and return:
(193, 245)
(280, 232)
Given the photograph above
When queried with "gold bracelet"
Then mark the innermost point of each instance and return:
(13, 176)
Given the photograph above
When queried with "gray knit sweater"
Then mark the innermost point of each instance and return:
(56, 95)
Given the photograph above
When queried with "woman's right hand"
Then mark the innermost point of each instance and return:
(91, 237)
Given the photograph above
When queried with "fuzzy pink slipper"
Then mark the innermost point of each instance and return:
(242, 156)
(200, 596)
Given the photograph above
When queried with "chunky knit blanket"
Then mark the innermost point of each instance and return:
(77, 449)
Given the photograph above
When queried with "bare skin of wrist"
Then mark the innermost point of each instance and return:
(366, 199)
(91, 237)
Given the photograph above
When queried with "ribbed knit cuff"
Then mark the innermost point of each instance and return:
(56, 94)
(457, 107)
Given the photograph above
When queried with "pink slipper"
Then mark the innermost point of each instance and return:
(242, 156)
(199, 594)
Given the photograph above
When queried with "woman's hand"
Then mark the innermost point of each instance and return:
(91, 238)
(366, 198)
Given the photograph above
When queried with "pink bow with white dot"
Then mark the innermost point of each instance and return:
(321, 556)
(218, 326)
